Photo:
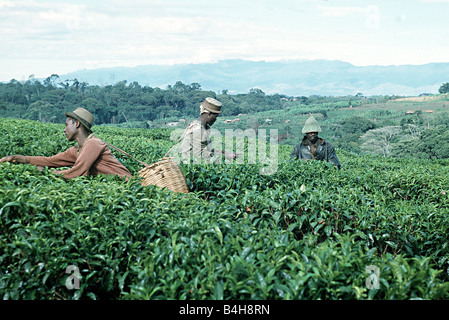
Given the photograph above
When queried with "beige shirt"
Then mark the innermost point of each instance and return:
(93, 158)
(197, 144)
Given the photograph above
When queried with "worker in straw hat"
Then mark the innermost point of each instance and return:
(90, 157)
(196, 143)
(313, 147)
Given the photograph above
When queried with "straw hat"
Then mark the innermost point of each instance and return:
(82, 115)
(212, 105)
(311, 125)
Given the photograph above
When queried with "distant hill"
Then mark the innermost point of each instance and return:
(292, 78)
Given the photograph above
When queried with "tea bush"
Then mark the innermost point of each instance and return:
(309, 231)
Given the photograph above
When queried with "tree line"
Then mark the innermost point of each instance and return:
(121, 102)
(47, 100)
(409, 137)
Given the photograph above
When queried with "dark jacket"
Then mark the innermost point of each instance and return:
(324, 151)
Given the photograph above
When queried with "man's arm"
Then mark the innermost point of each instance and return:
(332, 156)
(62, 159)
(295, 153)
(14, 158)
(89, 154)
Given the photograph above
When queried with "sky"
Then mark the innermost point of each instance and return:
(41, 38)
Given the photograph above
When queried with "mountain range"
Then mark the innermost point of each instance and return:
(291, 78)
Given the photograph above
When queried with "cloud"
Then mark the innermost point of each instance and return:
(331, 11)
(87, 34)
(370, 14)
(25, 18)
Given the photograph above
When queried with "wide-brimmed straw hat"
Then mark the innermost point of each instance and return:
(82, 115)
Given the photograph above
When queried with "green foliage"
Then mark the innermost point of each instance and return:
(432, 143)
(348, 132)
(309, 231)
(444, 88)
(122, 102)
(424, 142)
(356, 125)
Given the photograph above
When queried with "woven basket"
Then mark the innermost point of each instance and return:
(165, 173)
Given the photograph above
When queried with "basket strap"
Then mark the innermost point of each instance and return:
(143, 163)
(185, 131)
(127, 154)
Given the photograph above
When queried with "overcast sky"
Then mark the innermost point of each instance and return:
(46, 37)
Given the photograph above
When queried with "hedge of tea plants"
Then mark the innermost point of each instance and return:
(376, 229)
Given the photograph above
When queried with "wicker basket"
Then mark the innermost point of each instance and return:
(165, 173)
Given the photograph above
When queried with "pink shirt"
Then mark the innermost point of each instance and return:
(93, 158)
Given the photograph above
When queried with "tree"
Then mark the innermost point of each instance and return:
(348, 132)
(256, 92)
(42, 111)
(378, 141)
(406, 147)
(51, 80)
(427, 147)
(102, 113)
(357, 125)
(195, 86)
(444, 88)
(175, 101)
(180, 88)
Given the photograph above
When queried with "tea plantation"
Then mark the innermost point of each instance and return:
(376, 229)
